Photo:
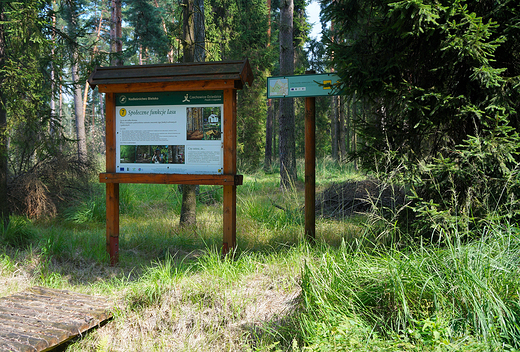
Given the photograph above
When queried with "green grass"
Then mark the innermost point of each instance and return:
(464, 297)
(351, 292)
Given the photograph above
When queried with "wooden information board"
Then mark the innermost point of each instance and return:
(171, 124)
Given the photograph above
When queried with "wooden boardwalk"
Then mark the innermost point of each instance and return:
(39, 318)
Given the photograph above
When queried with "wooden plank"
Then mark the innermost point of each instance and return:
(168, 179)
(169, 86)
(39, 318)
(310, 169)
(169, 70)
(229, 217)
(174, 69)
(110, 119)
(238, 71)
(112, 189)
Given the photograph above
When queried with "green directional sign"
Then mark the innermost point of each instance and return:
(313, 85)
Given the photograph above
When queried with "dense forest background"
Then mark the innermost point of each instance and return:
(429, 91)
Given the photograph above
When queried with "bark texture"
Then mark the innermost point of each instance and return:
(287, 147)
(194, 50)
(116, 44)
(4, 205)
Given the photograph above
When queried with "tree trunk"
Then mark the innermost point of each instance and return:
(334, 129)
(94, 51)
(268, 159)
(200, 33)
(348, 124)
(343, 152)
(268, 22)
(188, 32)
(287, 146)
(4, 205)
(78, 110)
(72, 24)
(53, 75)
(116, 44)
(189, 204)
(194, 49)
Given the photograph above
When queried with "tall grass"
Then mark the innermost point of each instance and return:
(463, 297)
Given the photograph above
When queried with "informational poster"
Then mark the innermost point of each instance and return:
(170, 132)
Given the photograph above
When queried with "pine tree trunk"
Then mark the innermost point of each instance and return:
(287, 146)
(78, 111)
(334, 129)
(78, 98)
(4, 205)
(189, 204)
(348, 124)
(194, 49)
(268, 159)
(188, 31)
(53, 75)
(200, 32)
(341, 101)
(116, 44)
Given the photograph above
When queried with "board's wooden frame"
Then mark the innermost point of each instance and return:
(225, 76)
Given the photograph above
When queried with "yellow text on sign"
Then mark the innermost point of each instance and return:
(327, 84)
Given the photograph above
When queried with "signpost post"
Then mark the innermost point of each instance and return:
(309, 86)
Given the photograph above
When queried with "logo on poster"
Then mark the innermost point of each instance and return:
(122, 99)
(122, 112)
(186, 99)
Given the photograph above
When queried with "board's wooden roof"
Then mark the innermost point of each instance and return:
(237, 71)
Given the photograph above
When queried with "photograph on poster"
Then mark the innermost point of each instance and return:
(152, 154)
(203, 123)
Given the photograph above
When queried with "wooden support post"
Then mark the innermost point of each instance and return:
(112, 196)
(230, 167)
(310, 169)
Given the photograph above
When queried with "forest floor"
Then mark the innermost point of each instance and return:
(173, 291)
(170, 289)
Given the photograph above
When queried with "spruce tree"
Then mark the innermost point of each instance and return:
(440, 80)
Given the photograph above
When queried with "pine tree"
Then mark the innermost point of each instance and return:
(149, 37)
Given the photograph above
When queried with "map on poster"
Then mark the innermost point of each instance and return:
(170, 132)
